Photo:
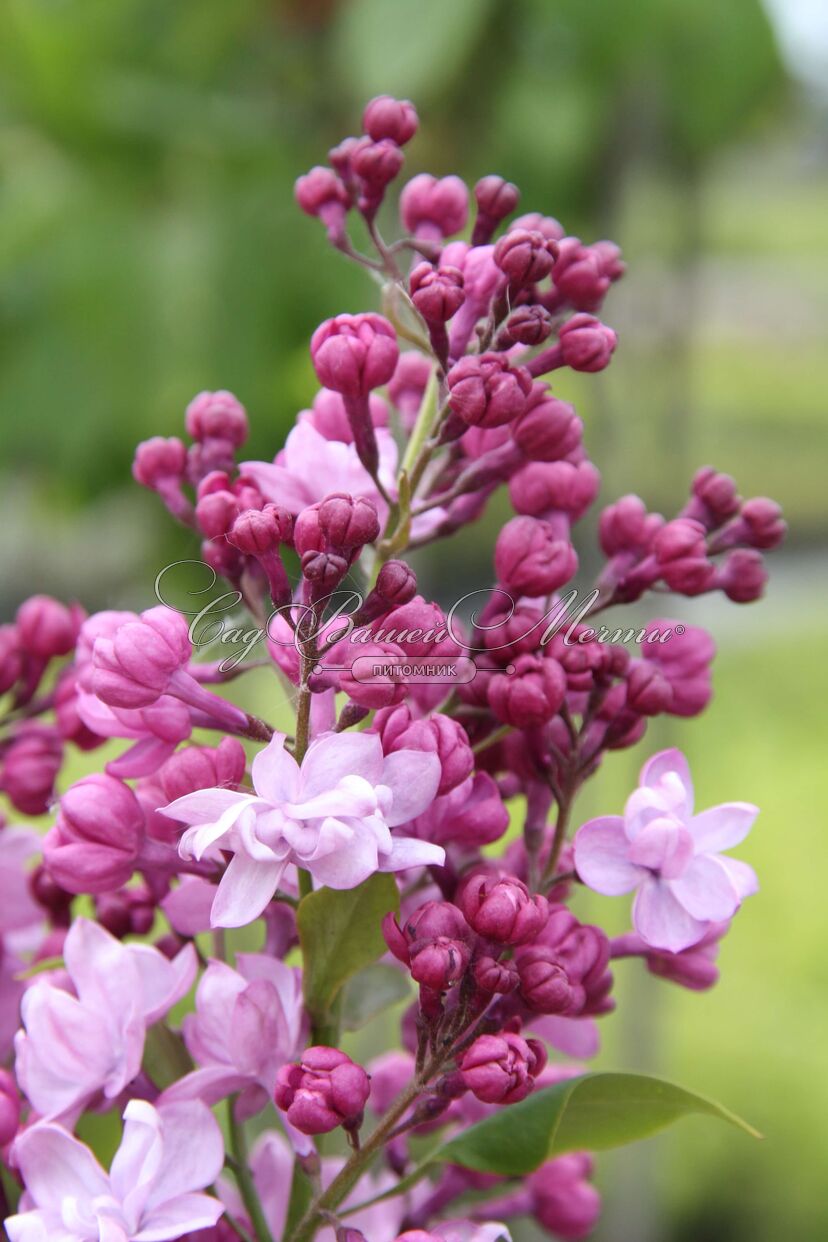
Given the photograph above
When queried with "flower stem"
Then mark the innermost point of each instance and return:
(247, 1190)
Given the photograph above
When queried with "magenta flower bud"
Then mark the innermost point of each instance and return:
(159, 462)
(222, 559)
(407, 385)
(496, 199)
(432, 209)
(439, 963)
(383, 688)
(743, 576)
(530, 560)
(540, 488)
(528, 325)
(563, 1201)
(524, 257)
(678, 539)
(418, 627)
(437, 292)
(352, 354)
(216, 512)
(534, 222)
(581, 951)
(549, 429)
(578, 277)
(11, 661)
(49, 894)
(396, 583)
(386, 117)
(70, 726)
(135, 666)
(763, 519)
(46, 627)
(377, 164)
(685, 660)
(322, 194)
(347, 523)
(544, 984)
(437, 734)
(217, 416)
(586, 344)
(324, 1090)
(493, 976)
(531, 695)
(626, 526)
(433, 943)
(486, 391)
(501, 1069)
(648, 691)
(714, 497)
(30, 766)
(9, 1107)
(324, 570)
(260, 533)
(203, 767)
(95, 842)
(501, 908)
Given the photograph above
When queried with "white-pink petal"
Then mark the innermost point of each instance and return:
(743, 877)
(276, 772)
(661, 920)
(410, 852)
(337, 755)
(670, 772)
(706, 890)
(722, 827)
(413, 777)
(205, 806)
(245, 889)
(55, 1167)
(602, 857)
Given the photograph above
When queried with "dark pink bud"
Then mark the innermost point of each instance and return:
(543, 487)
(30, 766)
(417, 627)
(324, 1090)
(678, 539)
(684, 658)
(564, 1202)
(46, 627)
(71, 727)
(94, 844)
(763, 519)
(217, 416)
(581, 951)
(439, 963)
(531, 695)
(135, 666)
(502, 908)
(376, 689)
(544, 984)
(534, 222)
(222, 559)
(9, 1107)
(203, 767)
(158, 461)
(432, 209)
(437, 292)
(648, 691)
(433, 942)
(528, 325)
(530, 559)
(49, 894)
(386, 117)
(496, 199)
(396, 583)
(586, 344)
(377, 164)
(325, 570)
(579, 277)
(716, 496)
(524, 257)
(347, 523)
(501, 1069)
(437, 734)
(258, 531)
(352, 354)
(626, 526)
(486, 391)
(321, 193)
(216, 512)
(548, 429)
(11, 659)
(493, 976)
(743, 576)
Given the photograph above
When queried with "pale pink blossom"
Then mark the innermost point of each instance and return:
(85, 1035)
(18, 909)
(672, 857)
(247, 1023)
(167, 1156)
(333, 816)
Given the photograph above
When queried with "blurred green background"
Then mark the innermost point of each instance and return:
(150, 247)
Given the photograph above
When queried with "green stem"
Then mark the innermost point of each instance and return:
(492, 739)
(247, 1189)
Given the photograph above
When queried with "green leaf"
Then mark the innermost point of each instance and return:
(593, 1112)
(340, 934)
(425, 421)
(371, 991)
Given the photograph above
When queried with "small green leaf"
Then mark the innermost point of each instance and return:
(593, 1112)
(370, 992)
(398, 307)
(424, 423)
(339, 931)
(40, 967)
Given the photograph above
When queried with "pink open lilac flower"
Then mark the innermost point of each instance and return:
(167, 1156)
(88, 1038)
(333, 816)
(671, 856)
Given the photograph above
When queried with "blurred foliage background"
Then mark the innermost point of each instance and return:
(150, 248)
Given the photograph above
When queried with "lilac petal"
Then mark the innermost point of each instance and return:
(277, 483)
(276, 772)
(56, 1166)
(662, 921)
(139, 1158)
(42, 1227)
(142, 759)
(706, 890)
(163, 981)
(601, 857)
(101, 968)
(351, 864)
(183, 1215)
(188, 907)
(669, 771)
(413, 777)
(205, 806)
(575, 1037)
(409, 852)
(642, 807)
(210, 1085)
(722, 827)
(245, 889)
(337, 755)
(271, 1161)
(188, 1165)
(742, 876)
(664, 846)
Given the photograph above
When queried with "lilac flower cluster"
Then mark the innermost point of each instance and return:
(203, 817)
